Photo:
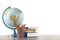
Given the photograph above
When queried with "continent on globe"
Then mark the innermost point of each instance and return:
(14, 19)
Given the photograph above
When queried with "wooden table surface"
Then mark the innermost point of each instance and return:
(41, 37)
(16, 38)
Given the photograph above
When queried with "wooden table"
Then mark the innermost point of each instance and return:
(41, 37)
(16, 38)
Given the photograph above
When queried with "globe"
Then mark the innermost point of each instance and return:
(11, 17)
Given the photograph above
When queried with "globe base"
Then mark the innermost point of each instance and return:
(13, 35)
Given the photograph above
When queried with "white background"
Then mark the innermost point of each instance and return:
(44, 14)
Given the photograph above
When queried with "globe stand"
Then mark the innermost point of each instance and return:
(14, 34)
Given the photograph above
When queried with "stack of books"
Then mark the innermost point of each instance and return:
(31, 32)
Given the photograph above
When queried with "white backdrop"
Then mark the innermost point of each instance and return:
(44, 14)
